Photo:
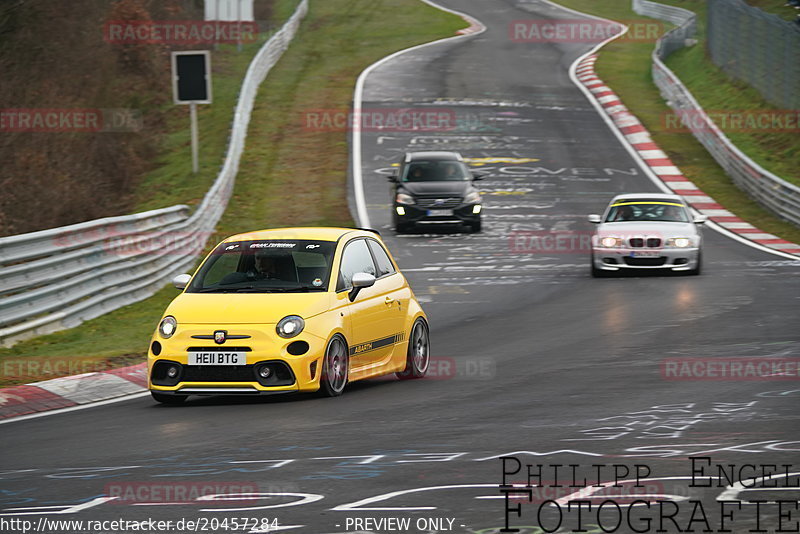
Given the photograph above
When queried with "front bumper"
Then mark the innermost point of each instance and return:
(619, 259)
(289, 373)
(413, 215)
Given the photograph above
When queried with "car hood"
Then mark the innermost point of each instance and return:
(245, 308)
(460, 188)
(663, 229)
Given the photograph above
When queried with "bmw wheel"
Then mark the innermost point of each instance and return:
(698, 267)
(419, 356)
(334, 368)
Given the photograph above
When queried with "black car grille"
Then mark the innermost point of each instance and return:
(280, 375)
(645, 262)
(218, 373)
(437, 203)
(640, 242)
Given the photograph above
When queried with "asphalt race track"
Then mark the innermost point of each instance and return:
(532, 357)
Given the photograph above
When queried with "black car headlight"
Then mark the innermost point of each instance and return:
(167, 326)
(404, 198)
(290, 326)
(472, 198)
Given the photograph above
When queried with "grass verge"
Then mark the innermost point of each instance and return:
(289, 174)
(625, 65)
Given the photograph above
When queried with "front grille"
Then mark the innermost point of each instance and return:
(640, 242)
(645, 262)
(281, 374)
(218, 373)
(437, 203)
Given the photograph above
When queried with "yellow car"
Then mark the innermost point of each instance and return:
(295, 309)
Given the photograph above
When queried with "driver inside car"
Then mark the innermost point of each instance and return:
(266, 267)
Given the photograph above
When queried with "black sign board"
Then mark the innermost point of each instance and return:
(191, 75)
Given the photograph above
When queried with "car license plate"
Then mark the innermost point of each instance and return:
(645, 254)
(217, 358)
(439, 213)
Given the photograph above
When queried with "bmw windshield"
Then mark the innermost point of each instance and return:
(274, 266)
(647, 211)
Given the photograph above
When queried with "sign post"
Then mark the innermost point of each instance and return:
(191, 84)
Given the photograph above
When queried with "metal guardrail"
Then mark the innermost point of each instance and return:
(772, 192)
(56, 279)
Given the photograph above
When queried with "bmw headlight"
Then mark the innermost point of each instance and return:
(167, 326)
(472, 198)
(679, 242)
(403, 198)
(290, 326)
(609, 242)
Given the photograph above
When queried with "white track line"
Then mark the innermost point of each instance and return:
(358, 179)
(73, 408)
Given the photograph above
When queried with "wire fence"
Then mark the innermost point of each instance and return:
(771, 191)
(758, 48)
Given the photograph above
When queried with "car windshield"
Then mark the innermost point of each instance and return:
(270, 266)
(436, 171)
(647, 210)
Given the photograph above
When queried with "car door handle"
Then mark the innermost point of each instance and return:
(389, 301)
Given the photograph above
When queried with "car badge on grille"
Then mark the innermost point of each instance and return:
(220, 336)
(438, 202)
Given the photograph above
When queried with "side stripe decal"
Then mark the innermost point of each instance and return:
(377, 344)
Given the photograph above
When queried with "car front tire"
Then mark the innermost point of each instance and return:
(418, 357)
(597, 273)
(698, 268)
(335, 368)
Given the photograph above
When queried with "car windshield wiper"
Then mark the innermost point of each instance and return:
(212, 290)
(301, 289)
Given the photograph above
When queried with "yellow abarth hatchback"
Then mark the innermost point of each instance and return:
(295, 309)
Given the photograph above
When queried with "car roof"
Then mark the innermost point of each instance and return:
(307, 233)
(433, 155)
(647, 196)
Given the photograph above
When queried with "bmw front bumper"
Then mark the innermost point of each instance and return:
(618, 259)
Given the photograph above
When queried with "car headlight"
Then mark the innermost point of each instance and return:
(403, 198)
(472, 198)
(609, 242)
(290, 326)
(167, 326)
(679, 242)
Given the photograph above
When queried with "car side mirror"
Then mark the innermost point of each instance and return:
(478, 175)
(360, 281)
(594, 218)
(392, 178)
(181, 281)
(700, 219)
